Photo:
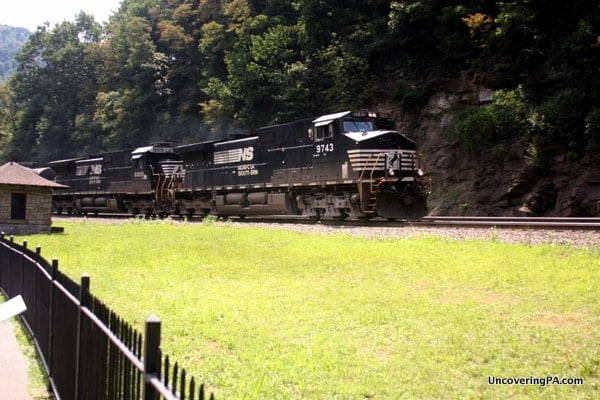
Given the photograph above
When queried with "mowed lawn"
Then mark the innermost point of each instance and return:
(275, 314)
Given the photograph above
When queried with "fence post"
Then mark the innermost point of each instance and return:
(34, 300)
(80, 355)
(22, 288)
(1, 261)
(151, 355)
(54, 273)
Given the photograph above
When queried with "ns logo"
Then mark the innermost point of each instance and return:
(247, 153)
(234, 155)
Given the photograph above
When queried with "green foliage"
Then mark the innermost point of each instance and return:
(476, 125)
(479, 127)
(9, 116)
(411, 100)
(532, 155)
(339, 88)
(185, 70)
(564, 115)
(56, 82)
(271, 313)
(435, 29)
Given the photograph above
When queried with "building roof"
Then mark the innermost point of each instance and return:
(12, 173)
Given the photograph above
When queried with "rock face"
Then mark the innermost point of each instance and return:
(551, 182)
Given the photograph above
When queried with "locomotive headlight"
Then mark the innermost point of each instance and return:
(420, 172)
(391, 172)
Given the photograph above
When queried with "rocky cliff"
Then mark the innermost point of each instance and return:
(512, 179)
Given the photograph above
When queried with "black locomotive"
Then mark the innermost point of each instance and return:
(135, 181)
(347, 164)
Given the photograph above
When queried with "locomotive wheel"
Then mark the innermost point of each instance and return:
(340, 217)
(316, 216)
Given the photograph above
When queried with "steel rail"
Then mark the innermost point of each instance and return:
(547, 223)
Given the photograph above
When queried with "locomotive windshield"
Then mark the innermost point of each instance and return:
(358, 126)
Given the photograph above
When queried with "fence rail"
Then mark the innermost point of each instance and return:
(87, 350)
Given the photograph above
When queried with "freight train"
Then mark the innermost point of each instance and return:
(346, 164)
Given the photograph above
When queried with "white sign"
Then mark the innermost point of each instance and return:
(12, 307)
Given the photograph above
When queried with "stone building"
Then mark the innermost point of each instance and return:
(25, 200)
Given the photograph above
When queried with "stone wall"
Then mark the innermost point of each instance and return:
(38, 214)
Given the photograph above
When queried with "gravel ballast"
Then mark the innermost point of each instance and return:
(578, 238)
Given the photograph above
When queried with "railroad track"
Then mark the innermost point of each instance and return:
(565, 223)
(547, 223)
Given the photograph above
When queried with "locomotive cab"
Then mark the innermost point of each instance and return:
(363, 147)
(161, 172)
(155, 163)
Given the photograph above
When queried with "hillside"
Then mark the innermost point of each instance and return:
(508, 177)
(11, 41)
(502, 96)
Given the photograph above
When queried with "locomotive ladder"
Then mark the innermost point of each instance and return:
(164, 189)
(373, 184)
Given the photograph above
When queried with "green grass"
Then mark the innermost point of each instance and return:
(269, 313)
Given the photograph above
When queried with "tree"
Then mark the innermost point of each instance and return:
(9, 116)
(139, 86)
(55, 84)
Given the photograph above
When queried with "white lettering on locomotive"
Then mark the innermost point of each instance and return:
(234, 155)
(323, 148)
(247, 170)
(92, 169)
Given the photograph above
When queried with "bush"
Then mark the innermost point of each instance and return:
(480, 127)
(411, 100)
(564, 118)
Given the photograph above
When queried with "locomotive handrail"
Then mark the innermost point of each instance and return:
(164, 186)
(372, 172)
(158, 191)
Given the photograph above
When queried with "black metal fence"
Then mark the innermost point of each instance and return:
(88, 351)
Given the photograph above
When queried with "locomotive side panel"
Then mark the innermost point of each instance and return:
(239, 162)
(197, 160)
(287, 147)
(120, 175)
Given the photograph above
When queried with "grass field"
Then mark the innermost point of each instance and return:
(275, 314)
